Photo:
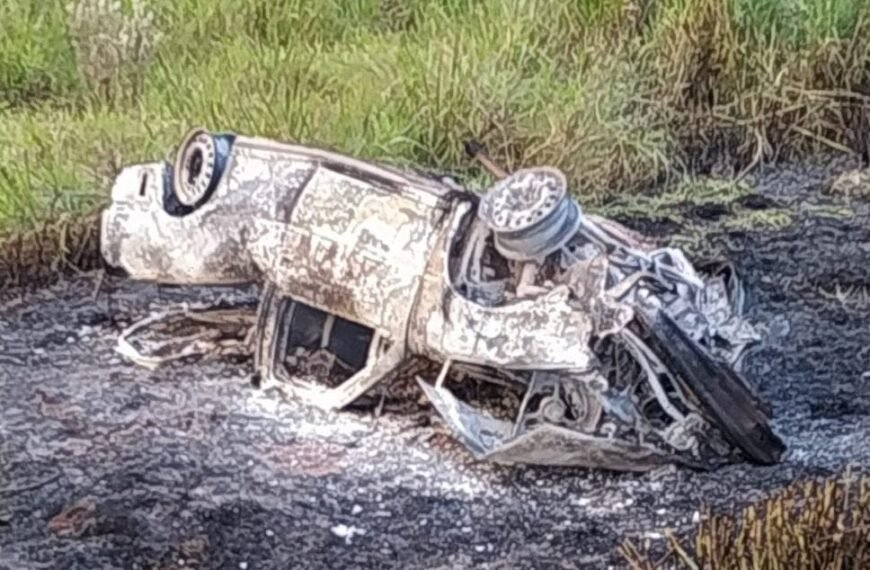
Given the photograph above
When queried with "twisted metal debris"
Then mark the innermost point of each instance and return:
(622, 354)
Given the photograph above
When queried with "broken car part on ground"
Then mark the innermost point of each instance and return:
(619, 354)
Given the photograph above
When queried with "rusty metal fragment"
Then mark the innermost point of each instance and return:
(621, 353)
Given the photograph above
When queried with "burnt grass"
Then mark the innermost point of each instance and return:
(109, 465)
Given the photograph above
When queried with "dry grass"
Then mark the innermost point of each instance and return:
(812, 525)
(59, 245)
(112, 47)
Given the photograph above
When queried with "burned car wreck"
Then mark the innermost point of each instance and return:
(622, 354)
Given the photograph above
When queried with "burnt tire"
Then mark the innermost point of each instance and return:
(722, 394)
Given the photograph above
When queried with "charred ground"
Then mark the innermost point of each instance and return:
(109, 465)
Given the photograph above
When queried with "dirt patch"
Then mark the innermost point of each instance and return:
(106, 465)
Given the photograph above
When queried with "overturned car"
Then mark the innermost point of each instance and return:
(622, 354)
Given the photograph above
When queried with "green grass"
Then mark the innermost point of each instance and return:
(618, 93)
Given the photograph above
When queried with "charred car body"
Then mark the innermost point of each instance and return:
(624, 355)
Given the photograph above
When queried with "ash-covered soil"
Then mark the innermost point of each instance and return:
(108, 465)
